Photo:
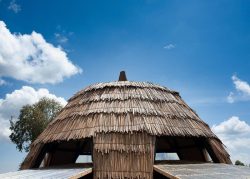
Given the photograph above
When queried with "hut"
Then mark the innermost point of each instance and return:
(123, 125)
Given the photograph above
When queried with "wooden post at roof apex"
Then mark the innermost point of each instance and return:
(122, 76)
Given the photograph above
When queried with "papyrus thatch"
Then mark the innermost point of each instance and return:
(116, 110)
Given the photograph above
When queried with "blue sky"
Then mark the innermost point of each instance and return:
(199, 48)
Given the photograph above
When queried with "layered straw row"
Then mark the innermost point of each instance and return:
(125, 107)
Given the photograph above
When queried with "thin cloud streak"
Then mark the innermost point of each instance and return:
(169, 46)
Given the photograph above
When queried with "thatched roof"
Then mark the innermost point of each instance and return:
(125, 107)
(124, 118)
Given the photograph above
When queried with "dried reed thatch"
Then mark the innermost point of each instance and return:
(123, 155)
(125, 107)
(123, 118)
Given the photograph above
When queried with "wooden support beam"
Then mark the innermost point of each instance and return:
(40, 157)
(82, 174)
(164, 173)
(211, 152)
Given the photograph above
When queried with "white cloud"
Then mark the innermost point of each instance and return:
(30, 58)
(169, 46)
(232, 126)
(240, 85)
(12, 103)
(235, 134)
(4, 129)
(242, 90)
(14, 6)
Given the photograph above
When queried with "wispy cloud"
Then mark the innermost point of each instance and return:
(169, 46)
(230, 97)
(235, 134)
(2, 82)
(61, 39)
(206, 101)
(62, 36)
(14, 6)
(240, 85)
(242, 90)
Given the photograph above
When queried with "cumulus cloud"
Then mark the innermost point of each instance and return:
(242, 92)
(169, 46)
(12, 103)
(235, 134)
(30, 58)
(14, 6)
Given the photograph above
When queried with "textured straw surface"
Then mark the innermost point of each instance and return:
(112, 112)
(123, 156)
(125, 107)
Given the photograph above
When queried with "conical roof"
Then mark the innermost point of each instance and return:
(125, 106)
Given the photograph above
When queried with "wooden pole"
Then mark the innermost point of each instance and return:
(122, 76)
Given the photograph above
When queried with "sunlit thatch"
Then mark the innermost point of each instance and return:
(124, 117)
